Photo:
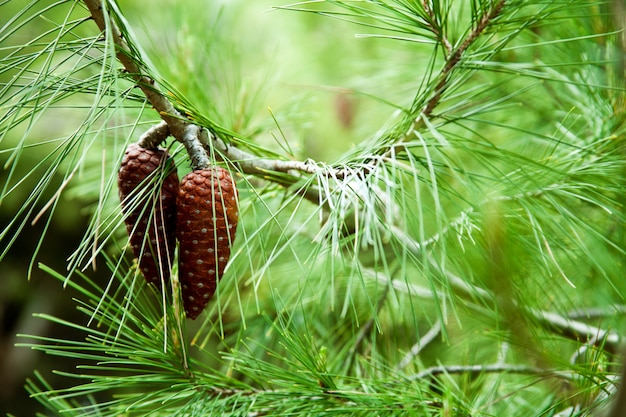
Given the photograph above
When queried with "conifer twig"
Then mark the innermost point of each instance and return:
(596, 313)
(247, 162)
(168, 113)
(435, 28)
(199, 141)
(492, 368)
(417, 347)
(576, 330)
(195, 138)
(454, 57)
(178, 125)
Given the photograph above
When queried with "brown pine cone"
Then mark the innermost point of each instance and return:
(207, 221)
(147, 212)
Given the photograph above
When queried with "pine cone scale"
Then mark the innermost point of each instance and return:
(150, 219)
(205, 234)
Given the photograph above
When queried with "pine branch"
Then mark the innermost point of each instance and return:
(432, 333)
(455, 56)
(198, 144)
(575, 330)
(272, 169)
(473, 295)
(161, 104)
(196, 139)
(476, 370)
(435, 28)
(597, 313)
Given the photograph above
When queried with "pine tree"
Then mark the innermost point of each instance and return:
(436, 228)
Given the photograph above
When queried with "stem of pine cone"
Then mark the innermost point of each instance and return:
(154, 136)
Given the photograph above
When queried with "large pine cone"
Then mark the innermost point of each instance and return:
(207, 221)
(150, 210)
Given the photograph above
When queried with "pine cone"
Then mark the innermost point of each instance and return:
(147, 214)
(207, 221)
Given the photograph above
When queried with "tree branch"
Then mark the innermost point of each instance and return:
(493, 368)
(168, 113)
(154, 136)
(597, 313)
(455, 56)
(430, 335)
(419, 114)
(435, 27)
(579, 331)
(197, 140)
(575, 330)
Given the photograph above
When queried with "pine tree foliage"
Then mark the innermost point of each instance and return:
(466, 257)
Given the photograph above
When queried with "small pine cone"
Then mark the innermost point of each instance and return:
(147, 214)
(207, 221)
